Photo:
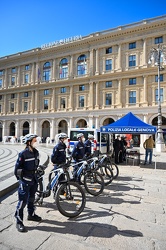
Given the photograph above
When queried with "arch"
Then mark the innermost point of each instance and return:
(25, 128)
(63, 126)
(46, 65)
(12, 129)
(45, 130)
(81, 58)
(155, 121)
(81, 123)
(106, 120)
(63, 62)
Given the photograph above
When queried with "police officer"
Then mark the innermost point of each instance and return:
(88, 145)
(25, 172)
(59, 151)
(78, 152)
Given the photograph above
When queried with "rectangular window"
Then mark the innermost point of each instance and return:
(132, 45)
(63, 72)
(13, 70)
(13, 96)
(108, 64)
(132, 81)
(45, 104)
(158, 40)
(161, 78)
(13, 81)
(161, 95)
(81, 88)
(1, 82)
(1, 72)
(25, 106)
(132, 97)
(46, 75)
(108, 99)
(0, 97)
(27, 67)
(132, 61)
(46, 92)
(26, 78)
(82, 68)
(109, 50)
(108, 84)
(12, 107)
(26, 94)
(63, 103)
(63, 90)
(81, 101)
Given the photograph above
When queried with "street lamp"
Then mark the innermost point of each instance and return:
(158, 58)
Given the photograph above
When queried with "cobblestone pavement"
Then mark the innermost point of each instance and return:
(129, 214)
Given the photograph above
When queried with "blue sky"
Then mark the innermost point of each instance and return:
(27, 24)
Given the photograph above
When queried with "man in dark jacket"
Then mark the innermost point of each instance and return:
(25, 172)
(88, 145)
(117, 148)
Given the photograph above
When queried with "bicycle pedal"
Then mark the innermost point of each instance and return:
(46, 193)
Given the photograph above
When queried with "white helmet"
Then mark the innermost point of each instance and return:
(62, 136)
(28, 137)
(80, 135)
(90, 136)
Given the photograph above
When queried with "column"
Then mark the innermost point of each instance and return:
(71, 67)
(18, 103)
(35, 130)
(97, 125)
(4, 105)
(119, 56)
(33, 73)
(91, 63)
(38, 73)
(103, 65)
(71, 98)
(91, 95)
(71, 125)
(90, 121)
(97, 96)
(53, 100)
(145, 89)
(127, 98)
(53, 69)
(127, 63)
(36, 101)
(120, 92)
(97, 62)
(17, 132)
(19, 76)
(52, 129)
(5, 79)
(33, 101)
(144, 51)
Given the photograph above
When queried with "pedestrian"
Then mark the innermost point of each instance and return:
(148, 145)
(58, 155)
(88, 145)
(131, 143)
(117, 148)
(25, 171)
(78, 152)
(124, 146)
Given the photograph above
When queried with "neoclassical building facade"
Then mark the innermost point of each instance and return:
(83, 81)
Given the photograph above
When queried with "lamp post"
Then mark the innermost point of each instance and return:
(158, 58)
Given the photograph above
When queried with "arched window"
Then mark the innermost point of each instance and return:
(81, 65)
(63, 68)
(46, 71)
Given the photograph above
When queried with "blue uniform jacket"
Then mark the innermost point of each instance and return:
(88, 144)
(28, 161)
(78, 151)
(59, 153)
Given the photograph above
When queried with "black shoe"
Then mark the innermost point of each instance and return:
(20, 227)
(34, 217)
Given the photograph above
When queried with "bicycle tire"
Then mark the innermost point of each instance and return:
(114, 169)
(38, 194)
(94, 183)
(70, 199)
(106, 173)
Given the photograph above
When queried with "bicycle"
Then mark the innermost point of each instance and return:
(105, 160)
(69, 196)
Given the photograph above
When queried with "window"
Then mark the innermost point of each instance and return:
(132, 45)
(63, 103)
(81, 101)
(13, 96)
(1, 72)
(161, 78)
(25, 106)
(132, 97)
(109, 50)
(26, 94)
(132, 81)
(27, 67)
(13, 80)
(108, 99)
(108, 64)
(108, 84)
(13, 70)
(158, 40)
(63, 90)
(132, 60)
(81, 65)
(26, 78)
(81, 88)
(63, 68)
(45, 104)
(46, 72)
(0, 97)
(12, 107)
(1, 82)
(46, 92)
(161, 95)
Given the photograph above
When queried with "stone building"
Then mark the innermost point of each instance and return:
(85, 81)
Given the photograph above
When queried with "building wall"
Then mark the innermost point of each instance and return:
(95, 110)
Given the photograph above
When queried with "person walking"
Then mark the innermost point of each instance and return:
(25, 171)
(88, 145)
(117, 148)
(148, 146)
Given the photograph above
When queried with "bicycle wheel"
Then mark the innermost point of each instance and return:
(114, 169)
(70, 199)
(39, 192)
(94, 183)
(106, 173)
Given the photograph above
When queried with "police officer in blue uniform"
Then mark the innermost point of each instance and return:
(88, 145)
(25, 171)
